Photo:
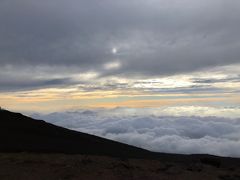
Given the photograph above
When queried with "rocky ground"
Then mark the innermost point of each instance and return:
(28, 166)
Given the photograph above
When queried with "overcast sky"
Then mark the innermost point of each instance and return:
(57, 55)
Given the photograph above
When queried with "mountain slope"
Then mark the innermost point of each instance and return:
(19, 133)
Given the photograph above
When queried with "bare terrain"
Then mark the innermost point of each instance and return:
(27, 166)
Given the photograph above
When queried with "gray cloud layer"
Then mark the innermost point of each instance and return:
(171, 134)
(152, 37)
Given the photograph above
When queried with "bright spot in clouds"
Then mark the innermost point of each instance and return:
(114, 50)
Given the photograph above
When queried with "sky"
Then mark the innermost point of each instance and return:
(58, 55)
(144, 72)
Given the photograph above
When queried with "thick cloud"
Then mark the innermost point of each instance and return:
(151, 37)
(150, 129)
(29, 84)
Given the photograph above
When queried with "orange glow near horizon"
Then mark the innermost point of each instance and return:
(50, 100)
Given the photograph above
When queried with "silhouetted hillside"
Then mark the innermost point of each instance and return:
(19, 133)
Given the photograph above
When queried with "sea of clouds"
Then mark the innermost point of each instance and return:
(155, 129)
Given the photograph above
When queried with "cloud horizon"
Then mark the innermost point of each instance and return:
(153, 130)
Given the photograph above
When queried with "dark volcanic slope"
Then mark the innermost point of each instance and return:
(19, 133)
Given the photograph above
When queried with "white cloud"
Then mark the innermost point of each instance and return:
(147, 129)
(112, 65)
